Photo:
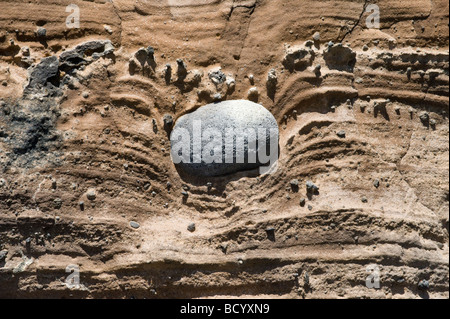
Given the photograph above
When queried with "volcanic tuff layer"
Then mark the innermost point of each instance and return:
(85, 170)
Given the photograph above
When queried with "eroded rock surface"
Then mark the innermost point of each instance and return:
(86, 175)
(235, 136)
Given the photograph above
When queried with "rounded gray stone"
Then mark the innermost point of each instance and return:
(41, 32)
(238, 116)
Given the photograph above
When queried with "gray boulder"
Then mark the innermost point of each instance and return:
(225, 138)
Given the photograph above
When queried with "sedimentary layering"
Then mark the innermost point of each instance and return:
(224, 138)
(87, 180)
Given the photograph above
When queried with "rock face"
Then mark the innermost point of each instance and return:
(234, 136)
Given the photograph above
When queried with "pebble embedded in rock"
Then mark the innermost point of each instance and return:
(217, 76)
(253, 94)
(41, 32)
(294, 185)
(294, 182)
(217, 97)
(340, 57)
(311, 187)
(272, 80)
(181, 70)
(25, 51)
(409, 72)
(424, 118)
(134, 224)
(309, 43)
(306, 279)
(298, 58)
(433, 123)
(108, 29)
(376, 183)
(196, 77)
(231, 83)
(191, 227)
(303, 202)
(57, 203)
(251, 78)
(316, 36)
